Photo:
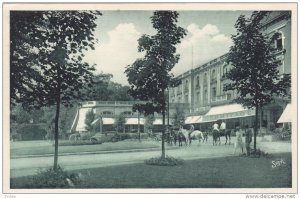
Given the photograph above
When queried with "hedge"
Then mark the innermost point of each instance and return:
(32, 132)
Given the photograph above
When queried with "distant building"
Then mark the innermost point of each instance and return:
(107, 111)
(202, 87)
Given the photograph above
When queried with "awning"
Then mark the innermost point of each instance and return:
(81, 126)
(95, 121)
(286, 116)
(108, 120)
(188, 119)
(227, 112)
(134, 121)
(193, 120)
(75, 121)
(158, 122)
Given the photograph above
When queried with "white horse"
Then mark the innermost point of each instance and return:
(198, 135)
(186, 134)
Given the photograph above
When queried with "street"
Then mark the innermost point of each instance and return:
(30, 165)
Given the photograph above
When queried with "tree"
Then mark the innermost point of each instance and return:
(149, 119)
(255, 74)
(149, 77)
(46, 52)
(120, 123)
(89, 118)
(103, 89)
(19, 115)
(179, 115)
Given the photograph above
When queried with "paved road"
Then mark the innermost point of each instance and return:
(30, 165)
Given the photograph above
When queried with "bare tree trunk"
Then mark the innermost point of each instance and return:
(255, 127)
(139, 126)
(56, 135)
(163, 153)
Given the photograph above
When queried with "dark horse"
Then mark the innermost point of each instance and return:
(216, 137)
(227, 134)
(175, 136)
(179, 137)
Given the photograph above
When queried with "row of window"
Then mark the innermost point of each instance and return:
(213, 78)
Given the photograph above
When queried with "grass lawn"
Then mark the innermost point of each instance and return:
(227, 172)
(44, 149)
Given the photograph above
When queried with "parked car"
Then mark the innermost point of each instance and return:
(105, 137)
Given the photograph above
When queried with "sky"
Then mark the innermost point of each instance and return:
(208, 36)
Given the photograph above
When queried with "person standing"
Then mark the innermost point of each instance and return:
(239, 140)
(248, 139)
(216, 133)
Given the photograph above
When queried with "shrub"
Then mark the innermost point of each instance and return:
(167, 161)
(32, 132)
(51, 178)
(259, 153)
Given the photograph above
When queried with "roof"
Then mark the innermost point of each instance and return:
(81, 126)
(286, 115)
(193, 119)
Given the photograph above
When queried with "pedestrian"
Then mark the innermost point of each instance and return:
(248, 139)
(239, 140)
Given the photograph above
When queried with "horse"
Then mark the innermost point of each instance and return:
(170, 137)
(187, 135)
(198, 135)
(179, 137)
(216, 136)
(227, 134)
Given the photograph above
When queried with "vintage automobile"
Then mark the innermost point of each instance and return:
(105, 137)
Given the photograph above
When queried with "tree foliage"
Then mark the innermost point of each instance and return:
(46, 58)
(89, 118)
(150, 76)
(179, 115)
(103, 89)
(120, 123)
(149, 119)
(255, 75)
(47, 48)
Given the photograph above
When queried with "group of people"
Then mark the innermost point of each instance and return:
(239, 144)
(239, 141)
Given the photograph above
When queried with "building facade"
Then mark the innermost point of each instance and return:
(202, 87)
(106, 112)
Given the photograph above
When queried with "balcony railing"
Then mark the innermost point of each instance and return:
(219, 98)
(202, 109)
